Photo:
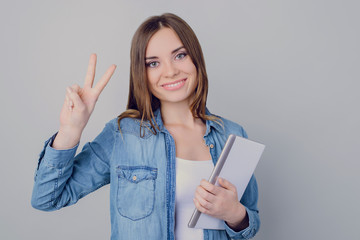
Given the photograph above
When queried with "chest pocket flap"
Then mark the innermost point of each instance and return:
(136, 174)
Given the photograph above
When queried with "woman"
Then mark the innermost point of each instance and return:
(165, 133)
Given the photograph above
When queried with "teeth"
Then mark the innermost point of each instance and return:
(174, 84)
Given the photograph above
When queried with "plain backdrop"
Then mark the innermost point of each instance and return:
(287, 71)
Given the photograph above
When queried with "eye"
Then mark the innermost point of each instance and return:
(152, 64)
(181, 55)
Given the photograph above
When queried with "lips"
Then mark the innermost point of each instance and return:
(174, 85)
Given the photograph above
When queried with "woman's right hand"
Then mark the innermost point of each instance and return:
(78, 105)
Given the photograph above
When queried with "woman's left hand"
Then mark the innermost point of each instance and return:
(221, 202)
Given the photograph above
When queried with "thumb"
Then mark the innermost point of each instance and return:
(74, 97)
(226, 184)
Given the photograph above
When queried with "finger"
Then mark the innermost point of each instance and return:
(105, 79)
(199, 207)
(205, 194)
(74, 98)
(69, 103)
(75, 87)
(90, 74)
(204, 203)
(209, 187)
(226, 184)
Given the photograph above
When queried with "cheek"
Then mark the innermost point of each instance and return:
(152, 81)
(192, 71)
(190, 68)
(152, 76)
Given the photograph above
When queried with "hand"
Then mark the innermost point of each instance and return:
(221, 202)
(79, 104)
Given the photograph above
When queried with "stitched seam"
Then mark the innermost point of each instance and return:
(53, 200)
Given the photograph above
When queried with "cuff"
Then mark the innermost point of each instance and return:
(246, 233)
(54, 158)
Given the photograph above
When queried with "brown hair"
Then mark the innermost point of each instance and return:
(141, 102)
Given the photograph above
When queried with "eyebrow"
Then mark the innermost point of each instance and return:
(174, 51)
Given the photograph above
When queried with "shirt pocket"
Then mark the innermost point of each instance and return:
(136, 191)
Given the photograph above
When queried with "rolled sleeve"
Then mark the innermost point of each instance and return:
(58, 158)
(248, 232)
(53, 158)
(52, 166)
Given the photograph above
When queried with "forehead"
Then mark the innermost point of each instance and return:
(163, 42)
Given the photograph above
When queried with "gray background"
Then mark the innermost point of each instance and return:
(288, 71)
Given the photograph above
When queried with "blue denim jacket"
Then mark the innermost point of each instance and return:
(141, 173)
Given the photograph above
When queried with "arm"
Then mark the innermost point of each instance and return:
(60, 178)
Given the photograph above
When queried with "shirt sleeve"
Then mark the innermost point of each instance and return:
(61, 178)
(249, 200)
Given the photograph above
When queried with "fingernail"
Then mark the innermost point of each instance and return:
(68, 89)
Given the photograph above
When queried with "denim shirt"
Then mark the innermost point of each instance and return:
(141, 173)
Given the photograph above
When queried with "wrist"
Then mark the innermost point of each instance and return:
(66, 138)
(239, 219)
(70, 131)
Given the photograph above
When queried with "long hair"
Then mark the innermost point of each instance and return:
(141, 102)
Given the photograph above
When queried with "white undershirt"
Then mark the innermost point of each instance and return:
(188, 176)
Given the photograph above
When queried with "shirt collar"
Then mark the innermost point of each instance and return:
(217, 125)
(158, 119)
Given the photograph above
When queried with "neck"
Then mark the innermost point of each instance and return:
(177, 114)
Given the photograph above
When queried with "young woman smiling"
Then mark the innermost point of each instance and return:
(156, 153)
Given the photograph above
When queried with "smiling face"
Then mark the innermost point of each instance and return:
(171, 74)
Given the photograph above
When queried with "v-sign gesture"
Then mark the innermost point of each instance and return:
(78, 105)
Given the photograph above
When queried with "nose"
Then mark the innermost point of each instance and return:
(170, 69)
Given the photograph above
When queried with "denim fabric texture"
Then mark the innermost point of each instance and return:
(141, 173)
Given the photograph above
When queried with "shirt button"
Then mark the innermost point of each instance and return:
(134, 178)
(211, 145)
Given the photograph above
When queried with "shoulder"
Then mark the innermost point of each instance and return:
(112, 125)
(125, 124)
(130, 126)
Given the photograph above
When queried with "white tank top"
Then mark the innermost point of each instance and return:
(188, 176)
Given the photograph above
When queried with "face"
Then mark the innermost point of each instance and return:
(170, 71)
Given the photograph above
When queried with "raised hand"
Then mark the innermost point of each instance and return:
(78, 105)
